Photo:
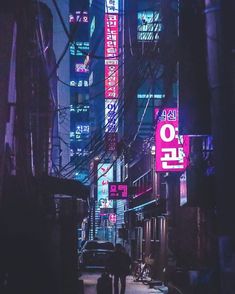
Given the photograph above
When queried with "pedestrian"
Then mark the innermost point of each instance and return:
(104, 284)
(119, 266)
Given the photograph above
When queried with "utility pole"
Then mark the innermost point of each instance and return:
(220, 55)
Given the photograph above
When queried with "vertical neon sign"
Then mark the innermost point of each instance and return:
(172, 149)
(105, 175)
(111, 72)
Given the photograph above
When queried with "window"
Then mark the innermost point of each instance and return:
(143, 184)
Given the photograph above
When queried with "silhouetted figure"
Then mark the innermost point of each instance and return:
(119, 266)
(104, 284)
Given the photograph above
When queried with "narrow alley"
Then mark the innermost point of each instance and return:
(90, 280)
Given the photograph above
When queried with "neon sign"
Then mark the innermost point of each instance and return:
(111, 72)
(105, 175)
(111, 55)
(118, 191)
(172, 149)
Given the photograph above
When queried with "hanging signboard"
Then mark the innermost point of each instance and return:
(172, 149)
(118, 191)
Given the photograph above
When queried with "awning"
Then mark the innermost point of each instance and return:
(139, 207)
(70, 187)
(46, 184)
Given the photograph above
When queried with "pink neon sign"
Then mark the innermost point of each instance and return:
(117, 191)
(111, 55)
(172, 149)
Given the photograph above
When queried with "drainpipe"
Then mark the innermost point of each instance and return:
(163, 246)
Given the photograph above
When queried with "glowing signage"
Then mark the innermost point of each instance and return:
(111, 72)
(111, 55)
(111, 141)
(111, 81)
(111, 6)
(79, 108)
(149, 25)
(79, 16)
(92, 26)
(105, 175)
(80, 67)
(79, 84)
(111, 116)
(79, 48)
(172, 149)
(82, 176)
(82, 129)
(183, 189)
(118, 191)
(113, 218)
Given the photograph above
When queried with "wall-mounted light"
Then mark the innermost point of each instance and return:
(153, 149)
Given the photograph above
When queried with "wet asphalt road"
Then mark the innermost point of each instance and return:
(90, 280)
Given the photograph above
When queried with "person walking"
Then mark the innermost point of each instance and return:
(119, 267)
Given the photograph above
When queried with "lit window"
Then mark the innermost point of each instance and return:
(149, 26)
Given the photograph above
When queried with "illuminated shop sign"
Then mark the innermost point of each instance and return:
(80, 68)
(111, 72)
(78, 48)
(118, 191)
(105, 175)
(82, 176)
(149, 25)
(153, 96)
(111, 115)
(111, 81)
(91, 78)
(79, 16)
(92, 26)
(111, 141)
(111, 6)
(79, 108)
(82, 129)
(172, 149)
(79, 83)
(111, 55)
(78, 152)
(113, 218)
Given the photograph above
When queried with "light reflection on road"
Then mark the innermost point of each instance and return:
(90, 281)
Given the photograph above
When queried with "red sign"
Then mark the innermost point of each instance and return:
(111, 81)
(172, 149)
(113, 218)
(111, 55)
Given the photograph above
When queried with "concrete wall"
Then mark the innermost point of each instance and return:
(59, 43)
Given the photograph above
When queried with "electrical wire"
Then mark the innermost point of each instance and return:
(134, 138)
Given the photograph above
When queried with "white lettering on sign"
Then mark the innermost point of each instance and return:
(167, 133)
(172, 149)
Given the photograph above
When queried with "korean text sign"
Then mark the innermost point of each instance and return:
(118, 191)
(105, 175)
(111, 55)
(172, 149)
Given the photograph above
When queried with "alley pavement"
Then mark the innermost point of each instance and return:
(90, 281)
